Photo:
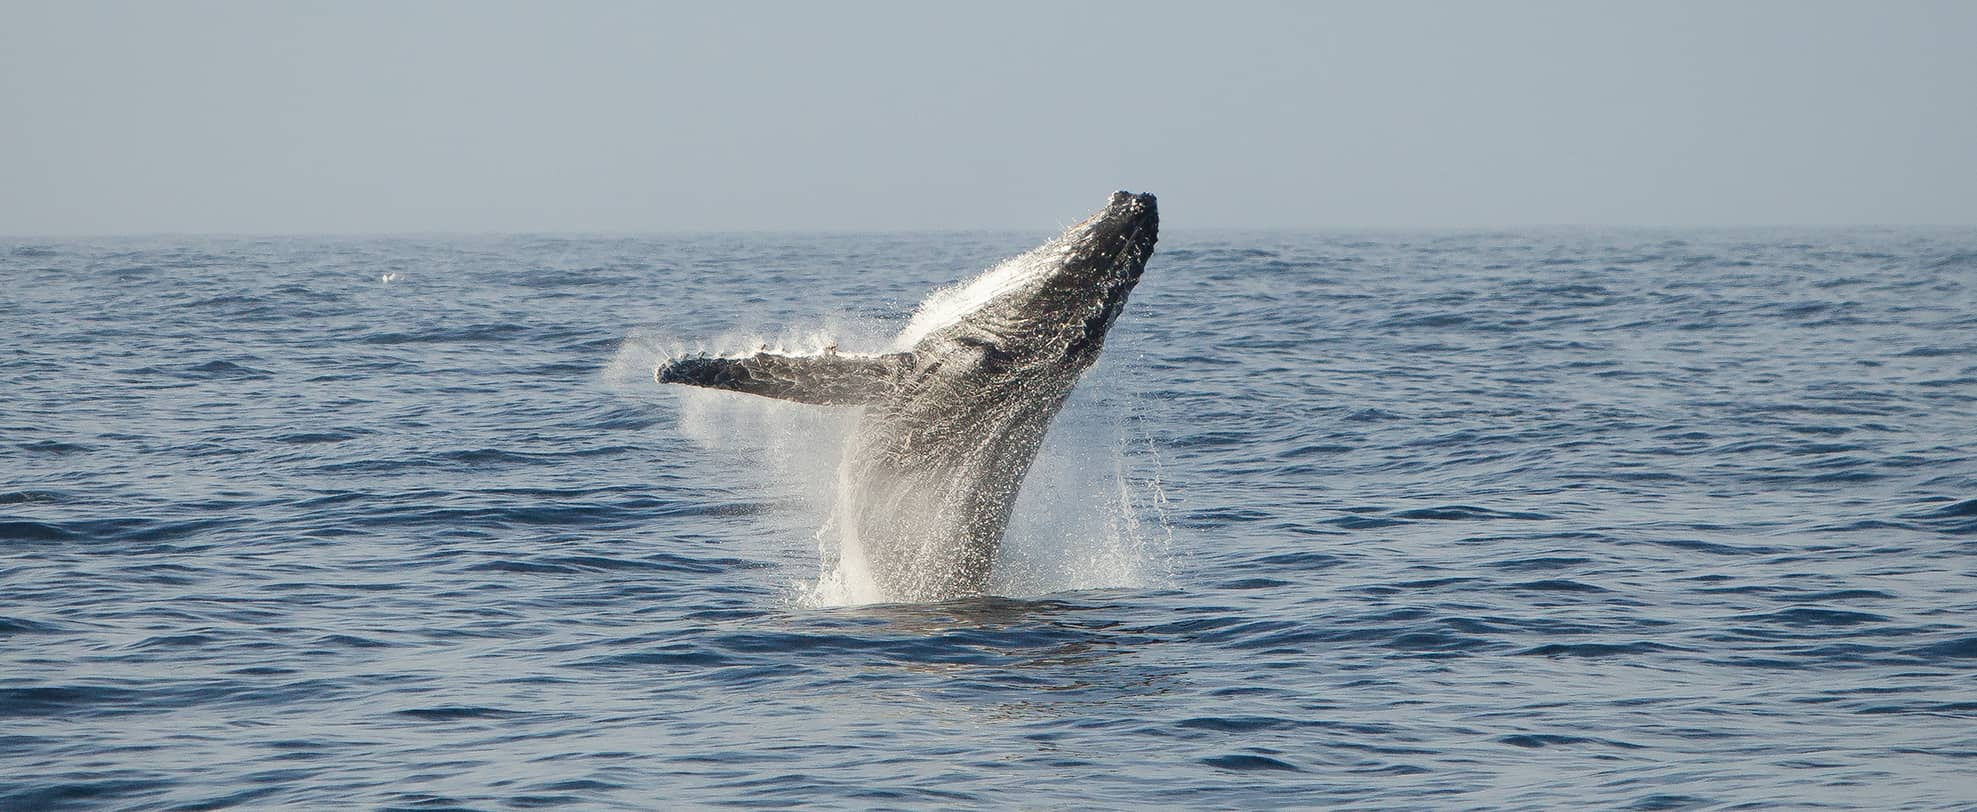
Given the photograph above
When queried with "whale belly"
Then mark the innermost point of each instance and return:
(926, 505)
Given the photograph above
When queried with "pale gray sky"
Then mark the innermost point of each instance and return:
(290, 117)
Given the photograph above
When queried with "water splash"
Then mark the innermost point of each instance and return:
(1091, 514)
(954, 302)
(792, 450)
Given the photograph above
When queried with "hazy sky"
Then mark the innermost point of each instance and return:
(294, 117)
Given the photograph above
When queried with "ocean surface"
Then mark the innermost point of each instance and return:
(1552, 519)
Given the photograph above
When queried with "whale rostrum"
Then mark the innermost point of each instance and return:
(953, 417)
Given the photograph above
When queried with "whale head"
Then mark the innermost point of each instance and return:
(1057, 300)
(1109, 249)
(1098, 262)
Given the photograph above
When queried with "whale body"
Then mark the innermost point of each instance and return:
(954, 415)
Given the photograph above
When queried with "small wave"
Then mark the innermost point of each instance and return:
(1467, 513)
(1670, 803)
(1364, 522)
(1715, 548)
(669, 656)
(316, 437)
(1244, 762)
(1958, 259)
(474, 333)
(67, 700)
(1958, 510)
(53, 447)
(19, 625)
(1301, 561)
(1427, 321)
(1597, 649)
(1238, 724)
(1542, 740)
(77, 794)
(1556, 585)
(32, 497)
(1541, 563)
(210, 370)
(1807, 616)
(110, 530)
(350, 641)
(452, 713)
(1964, 648)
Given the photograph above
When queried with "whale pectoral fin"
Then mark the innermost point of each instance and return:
(822, 380)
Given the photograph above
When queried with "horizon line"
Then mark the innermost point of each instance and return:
(829, 232)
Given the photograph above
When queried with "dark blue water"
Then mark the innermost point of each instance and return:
(1648, 520)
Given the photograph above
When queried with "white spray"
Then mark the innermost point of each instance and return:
(1091, 514)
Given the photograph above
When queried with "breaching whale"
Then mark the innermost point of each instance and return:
(954, 414)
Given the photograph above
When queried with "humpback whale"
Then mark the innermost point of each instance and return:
(953, 414)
